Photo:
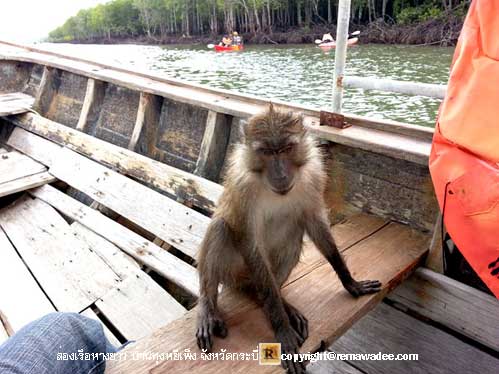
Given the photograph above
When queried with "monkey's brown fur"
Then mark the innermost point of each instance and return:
(273, 195)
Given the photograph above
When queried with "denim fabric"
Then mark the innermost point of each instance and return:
(34, 348)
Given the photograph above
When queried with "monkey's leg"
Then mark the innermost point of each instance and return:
(297, 320)
(274, 306)
(211, 268)
(318, 230)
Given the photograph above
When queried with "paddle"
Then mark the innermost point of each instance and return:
(210, 46)
(355, 33)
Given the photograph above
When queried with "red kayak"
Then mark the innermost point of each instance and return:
(231, 48)
(331, 45)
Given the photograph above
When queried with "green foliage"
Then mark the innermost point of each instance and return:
(160, 18)
(418, 14)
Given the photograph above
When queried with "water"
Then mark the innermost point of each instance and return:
(301, 74)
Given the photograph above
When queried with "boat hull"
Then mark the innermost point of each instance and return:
(332, 45)
(232, 48)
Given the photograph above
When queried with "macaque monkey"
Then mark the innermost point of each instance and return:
(273, 195)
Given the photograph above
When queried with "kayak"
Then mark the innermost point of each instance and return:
(220, 48)
(331, 45)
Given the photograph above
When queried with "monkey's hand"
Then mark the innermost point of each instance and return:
(290, 341)
(209, 325)
(359, 288)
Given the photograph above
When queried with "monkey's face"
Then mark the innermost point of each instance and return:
(278, 165)
(275, 148)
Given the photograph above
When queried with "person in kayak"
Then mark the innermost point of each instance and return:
(327, 38)
(236, 38)
(226, 41)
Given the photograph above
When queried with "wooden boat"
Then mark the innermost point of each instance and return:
(230, 48)
(331, 45)
(107, 181)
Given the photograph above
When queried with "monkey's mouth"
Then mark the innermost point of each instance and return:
(283, 191)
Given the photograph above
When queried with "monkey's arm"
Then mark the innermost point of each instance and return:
(211, 267)
(318, 230)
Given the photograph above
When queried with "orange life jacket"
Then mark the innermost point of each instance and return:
(465, 153)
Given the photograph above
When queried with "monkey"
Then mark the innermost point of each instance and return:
(273, 194)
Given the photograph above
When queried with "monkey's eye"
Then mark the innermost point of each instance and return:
(286, 149)
(267, 151)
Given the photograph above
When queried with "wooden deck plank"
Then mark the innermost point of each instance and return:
(25, 183)
(71, 275)
(395, 249)
(21, 298)
(139, 305)
(171, 221)
(189, 187)
(174, 223)
(328, 367)
(14, 165)
(388, 330)
(453, 304)
(15, 103)
(133, 244)
(109, 335)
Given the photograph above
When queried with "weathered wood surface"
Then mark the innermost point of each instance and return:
(176, 224)
(395, 250)
(388, 330)
(199, 191)
(392, 144)
(142, 250)
(47, 90)
(236, 105)
(138, 306)
(14, 165)
(94, 95)
(453, 304)
(109, 335)
(214, 146)
(25, 183)
(15, 103)
(330, 367)
(72, 276)
(147, 114)
(171, 221)
(21, 298)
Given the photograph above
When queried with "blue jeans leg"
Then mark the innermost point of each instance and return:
(34, 348)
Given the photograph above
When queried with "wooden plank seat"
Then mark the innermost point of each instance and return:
(19, 172)
(15, 103)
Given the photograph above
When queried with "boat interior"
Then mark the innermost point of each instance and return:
(108, 179)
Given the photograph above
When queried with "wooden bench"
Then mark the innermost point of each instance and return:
(95, 265)
(450, 316)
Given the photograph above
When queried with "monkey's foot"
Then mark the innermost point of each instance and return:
(298, 322)
(289, 345)
(359, 288)
(208, 326)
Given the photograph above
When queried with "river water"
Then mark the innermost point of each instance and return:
(295, 73)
